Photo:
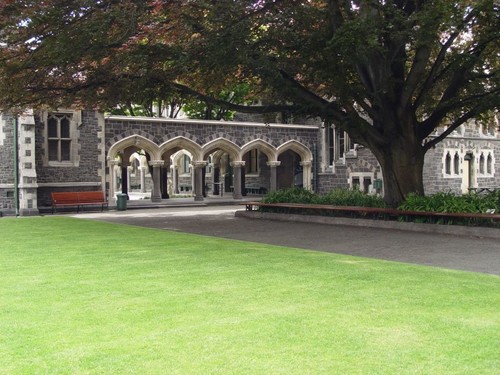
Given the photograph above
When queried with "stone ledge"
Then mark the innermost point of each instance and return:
(455, 230)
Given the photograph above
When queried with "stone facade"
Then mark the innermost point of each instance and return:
(162, 138)
(7, 204)
(469, 142)
(202, 133)
(83, 172)
(146, 155)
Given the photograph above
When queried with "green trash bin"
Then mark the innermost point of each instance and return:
(121, 202)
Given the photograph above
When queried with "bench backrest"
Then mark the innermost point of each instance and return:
(90, 196)
(64, 197)
(75, 197)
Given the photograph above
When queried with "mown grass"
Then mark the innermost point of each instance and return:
(83, 297)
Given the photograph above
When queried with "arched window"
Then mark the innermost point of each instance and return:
(481, 164)
(59, 137)
(489, 164)
(186, 161)
(447, 164)
(456, 164)
(208, 168)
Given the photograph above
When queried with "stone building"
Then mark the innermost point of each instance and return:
(72, 150)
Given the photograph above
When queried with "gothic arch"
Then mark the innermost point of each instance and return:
(180, 134)
(179, 154)
(216, 156)
(182, 143)
(221, 135)
(130, 133)
(299, 148)
(222, 144)
(265, 147)
(137, 141)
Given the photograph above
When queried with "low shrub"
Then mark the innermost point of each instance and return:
(344, 197)
(449, 202)
(291, 195)
(337, 197)
(446, 202)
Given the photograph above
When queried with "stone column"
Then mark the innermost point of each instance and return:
(222, 179)
(143, 179)
(216, 180)
(124, 167)
(198, 167)
(156, 193)
(164, 182)
(237, 165)
(204, 181)
(175, 174)
(306, 174)
(273, 165)
(243, 181)
(112, 182)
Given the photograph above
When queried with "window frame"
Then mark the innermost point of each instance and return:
(452, 163)
(74, 118)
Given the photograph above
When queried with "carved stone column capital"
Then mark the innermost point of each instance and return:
(199, 164)
(273, 164)
(306, 163)
(237, 164)
(156, 163)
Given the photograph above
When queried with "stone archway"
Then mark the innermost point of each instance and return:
(139, 177)
(235, 162)
(182, 176)
(167, 150)
(261, 162)
(119, 154)
(305, 162)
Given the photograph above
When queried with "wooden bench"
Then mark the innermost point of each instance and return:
(78, 199)
(371, 212)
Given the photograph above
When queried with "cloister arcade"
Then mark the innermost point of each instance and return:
(181, 165)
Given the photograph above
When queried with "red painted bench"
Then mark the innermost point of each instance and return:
(78, 199)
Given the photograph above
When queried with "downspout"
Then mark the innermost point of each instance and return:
(16, 165)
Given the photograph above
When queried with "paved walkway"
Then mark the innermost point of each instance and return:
(453, 252)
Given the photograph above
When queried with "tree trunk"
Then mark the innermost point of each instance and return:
(402, 167)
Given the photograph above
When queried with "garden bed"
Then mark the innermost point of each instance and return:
(442, 208)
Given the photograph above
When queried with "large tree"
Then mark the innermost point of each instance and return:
(389, 72)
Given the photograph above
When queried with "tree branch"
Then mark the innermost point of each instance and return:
(414, 76)
(466, 117)
(438, 63)
(236, 107)
(429, 125)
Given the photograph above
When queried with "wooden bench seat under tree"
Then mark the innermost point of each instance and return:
(78, 199)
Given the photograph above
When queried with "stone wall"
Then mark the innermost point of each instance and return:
(84, 173)
(94, 135)
(469, 139)
(202, 133)
(356, 162)
(6, 163)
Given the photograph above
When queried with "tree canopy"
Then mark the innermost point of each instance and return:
(389, 72)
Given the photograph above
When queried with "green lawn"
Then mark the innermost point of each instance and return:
(83, 297)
